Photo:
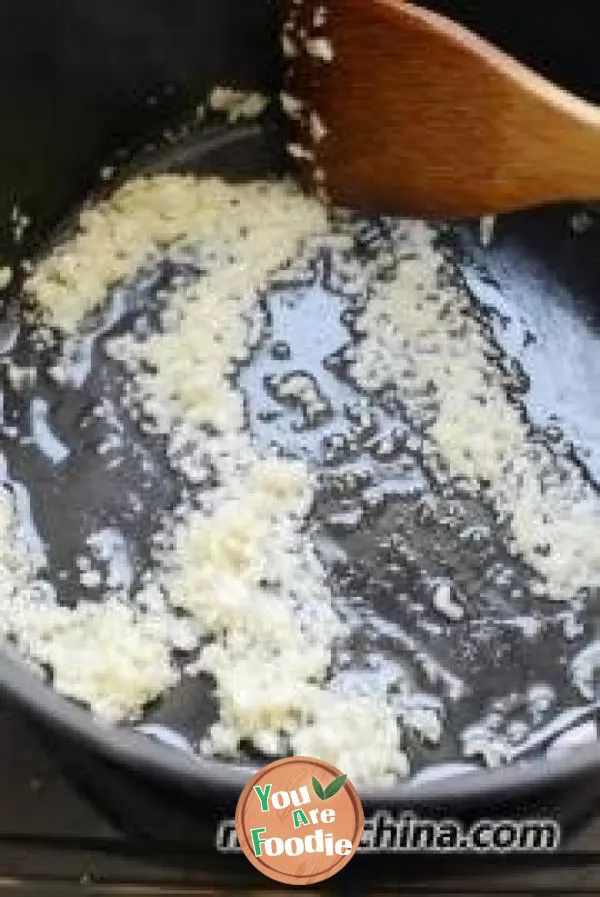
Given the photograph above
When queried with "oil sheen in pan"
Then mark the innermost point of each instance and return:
(420, 572)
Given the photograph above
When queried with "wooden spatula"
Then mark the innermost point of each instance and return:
(403, 110)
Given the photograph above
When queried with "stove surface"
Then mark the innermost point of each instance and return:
(56, 839)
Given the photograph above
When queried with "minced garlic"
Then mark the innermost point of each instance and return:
(6, 276)
(237, 104)
(320, 48)
(242, 566)
(420, 336)
(111, 656)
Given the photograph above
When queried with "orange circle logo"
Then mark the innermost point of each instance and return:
(299, 820)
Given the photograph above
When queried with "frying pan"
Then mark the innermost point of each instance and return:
(75, 81)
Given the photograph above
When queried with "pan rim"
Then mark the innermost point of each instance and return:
(195, 775)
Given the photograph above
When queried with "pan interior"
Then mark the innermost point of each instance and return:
(481, 667)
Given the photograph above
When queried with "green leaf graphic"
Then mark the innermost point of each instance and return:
(335, 786)
(318, 788)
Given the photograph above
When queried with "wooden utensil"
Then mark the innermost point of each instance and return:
(416, 114)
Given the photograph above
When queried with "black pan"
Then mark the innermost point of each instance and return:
(75, 82)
